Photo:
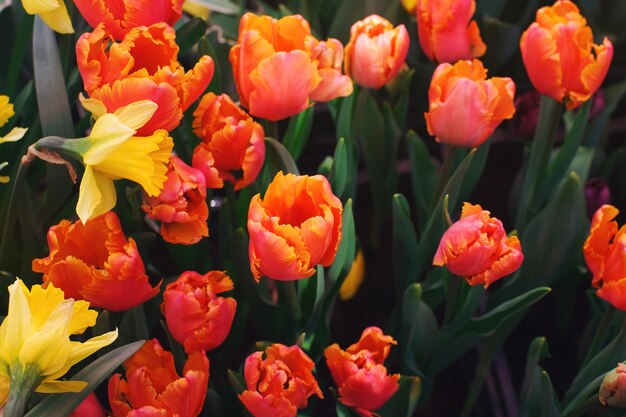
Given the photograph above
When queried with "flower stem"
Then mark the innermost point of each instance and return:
(600, 333)
(447, 170)
(22, 385)
(291, 300)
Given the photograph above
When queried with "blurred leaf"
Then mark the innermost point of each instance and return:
(423, 175)
(62, 405)
(190, 33)
(18, 51)
(401, 106)
(281, 156)
(298, 132)
(598, 127)
(220, 6)
(349, 12)
(470, 298)
(503, 42)
(474, 172)
(490, 321)
(404, 247)
(537, 398)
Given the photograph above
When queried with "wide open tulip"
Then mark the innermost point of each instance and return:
(464, 106)
(120, 16)
(359, 373)
(279, 67)
(280, 383)
(233, 144)
(143, 66)
(95, 262)
(35, 345)
(196, 317)
(153, 388)
(560, 57)
(605, 253)
(296, 226)
(376, 51)
(476, 247)
(181, 206)
(445, 31)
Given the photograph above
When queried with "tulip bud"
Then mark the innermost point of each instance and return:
(613, 388)
(376, 51)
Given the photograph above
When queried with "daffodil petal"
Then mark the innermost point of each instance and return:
(58, 19)
(96, 195)
(93, 106)
(16, 326)
(137, 114)
(107, 134)
(14, 135)
(40, 6)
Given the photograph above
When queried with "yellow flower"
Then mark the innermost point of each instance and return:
(35, 345)
(197, 8)
(409, 5)
(53, 12)
(6, 112)
(112, 152)
(354, 279)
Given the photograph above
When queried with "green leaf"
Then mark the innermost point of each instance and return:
(429, 240)
(563, 160)
(298, 132)
(423, 175)
(281, 156)
(503, 40)
(404, 245)
(338, 176)
(62, 405)
(404, 401)
(221, 6)
(489, 322)
(205, 48)
(54, 108)
(419, 335)
(537, 397)
(190, 33)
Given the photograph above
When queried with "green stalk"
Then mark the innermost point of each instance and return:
(290, 295)
(452, 297)
(447, 170)
(547, 126)
(600, 334)
(22, 385)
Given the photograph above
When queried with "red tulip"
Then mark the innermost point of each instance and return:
(196, 317)
(95, 262)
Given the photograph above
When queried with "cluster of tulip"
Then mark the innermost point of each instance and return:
(146, 128)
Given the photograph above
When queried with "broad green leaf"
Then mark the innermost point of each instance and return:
(404, 241)
(423, 175)
(490, 321)
(61, 405)
(281, 157)
(537, 397)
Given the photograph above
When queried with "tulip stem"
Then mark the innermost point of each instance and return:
(292, 301)
(231, 201)
(447, 170)
(547, 126)
(452, 298)
(600, 334)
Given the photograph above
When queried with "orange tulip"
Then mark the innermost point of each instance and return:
(233, 144)
(560, 57)
(95, 262)
(279, 384)
(465, 107)
(144, 66)
(196, 317)
(296, 226)
(279, 67)
(153, 388)
(476, 247)
(119, 17)
(445, 31)
(90, 407)
(181, 206)
(359, 373)
(605, 253)
(376, 51)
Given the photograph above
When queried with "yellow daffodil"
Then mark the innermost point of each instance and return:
(35, 345)
(354, 279)
(6, 112)
(197, 8)
(52, 12)
(112, 152)
(409, 5)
